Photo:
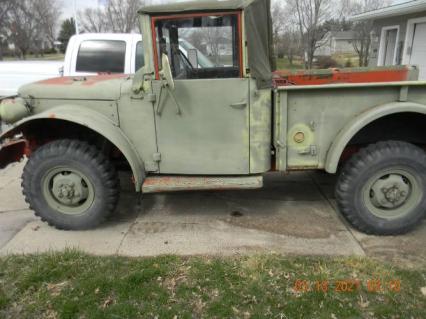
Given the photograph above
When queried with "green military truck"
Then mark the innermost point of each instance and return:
(179, 124)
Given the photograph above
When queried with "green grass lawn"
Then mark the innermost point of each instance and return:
(75, 285)
(284, 64)
(341, 59)
(46, 57)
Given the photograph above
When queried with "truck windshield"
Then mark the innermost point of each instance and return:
(200, 46)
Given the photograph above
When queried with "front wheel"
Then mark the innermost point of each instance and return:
(70, 184)
(381, 190)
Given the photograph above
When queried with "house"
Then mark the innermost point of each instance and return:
(336, 42)
(399, 35)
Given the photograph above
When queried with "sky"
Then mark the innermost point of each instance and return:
(68, 5)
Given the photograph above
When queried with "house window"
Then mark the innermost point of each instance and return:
(101, 56)
(389, 46)
(200, 47)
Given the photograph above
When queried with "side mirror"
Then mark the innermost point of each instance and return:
(166, 72)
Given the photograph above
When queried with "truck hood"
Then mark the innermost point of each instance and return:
(101, 87)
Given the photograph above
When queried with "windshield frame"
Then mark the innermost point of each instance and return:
(237, 13)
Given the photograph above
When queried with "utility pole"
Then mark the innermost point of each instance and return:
(75, 18)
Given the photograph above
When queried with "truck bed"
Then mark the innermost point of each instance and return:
(308, 119)
(13, 74)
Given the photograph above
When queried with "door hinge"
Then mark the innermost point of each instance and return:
(156, 157)
(152, 98)
(280, 144)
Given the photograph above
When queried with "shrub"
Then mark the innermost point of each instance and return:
(348, 63)
(326, 62)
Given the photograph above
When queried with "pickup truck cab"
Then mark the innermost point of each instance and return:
(103, 53)
(86, 54)
(181, 123)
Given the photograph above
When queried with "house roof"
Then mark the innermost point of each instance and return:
(392, 11)
(197, 5)
(342, 35)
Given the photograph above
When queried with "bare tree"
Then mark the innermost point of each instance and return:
(93, 20)
(214, 37)
(362, 29)
(22, 27)
(30, 23)
(196, 38)
(362, 41)
(285, 34)
(310, 16)
(5, 6)
(46, 13)
(118, 16)
(279, 18)
(289, 44)
(122, 15)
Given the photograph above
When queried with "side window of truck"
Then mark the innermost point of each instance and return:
(140, 58)
(200, 47)
(101, 56)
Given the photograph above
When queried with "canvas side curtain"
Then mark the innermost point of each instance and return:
(258, 21)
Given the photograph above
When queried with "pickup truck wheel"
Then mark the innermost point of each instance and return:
(70, 184)
(381, 190)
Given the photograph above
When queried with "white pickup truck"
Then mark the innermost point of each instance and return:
(87, 54)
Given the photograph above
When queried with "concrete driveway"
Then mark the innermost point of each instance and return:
(294, 214)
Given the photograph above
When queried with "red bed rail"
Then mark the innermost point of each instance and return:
(346, 75)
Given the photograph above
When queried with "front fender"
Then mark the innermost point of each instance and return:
(96, 122)
(358, 123)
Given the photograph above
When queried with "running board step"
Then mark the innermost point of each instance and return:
(159, 184)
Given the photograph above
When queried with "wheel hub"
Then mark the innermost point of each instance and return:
(390, 191)
(68, 188)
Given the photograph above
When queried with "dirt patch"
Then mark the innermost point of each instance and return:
(310, 227)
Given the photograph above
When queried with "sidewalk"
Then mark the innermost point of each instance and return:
(293, 214)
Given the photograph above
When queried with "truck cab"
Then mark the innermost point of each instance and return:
(233, 92)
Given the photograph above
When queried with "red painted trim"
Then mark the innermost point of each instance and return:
(240, 39)
(154, 43)
(192, 15)
(154, 19)
(86, 80)
(332, 76)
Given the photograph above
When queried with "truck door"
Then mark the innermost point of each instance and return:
(203, 124)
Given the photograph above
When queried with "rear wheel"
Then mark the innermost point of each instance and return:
(381, 190)
(70, 184)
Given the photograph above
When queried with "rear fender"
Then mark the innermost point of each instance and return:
(358, 123)
(85, 117)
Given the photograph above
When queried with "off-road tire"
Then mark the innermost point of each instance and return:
(359, 169)
(80, 156)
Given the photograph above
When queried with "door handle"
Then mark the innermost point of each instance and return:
(239, 105)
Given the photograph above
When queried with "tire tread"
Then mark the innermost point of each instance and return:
(85, 151)
(356, 165)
